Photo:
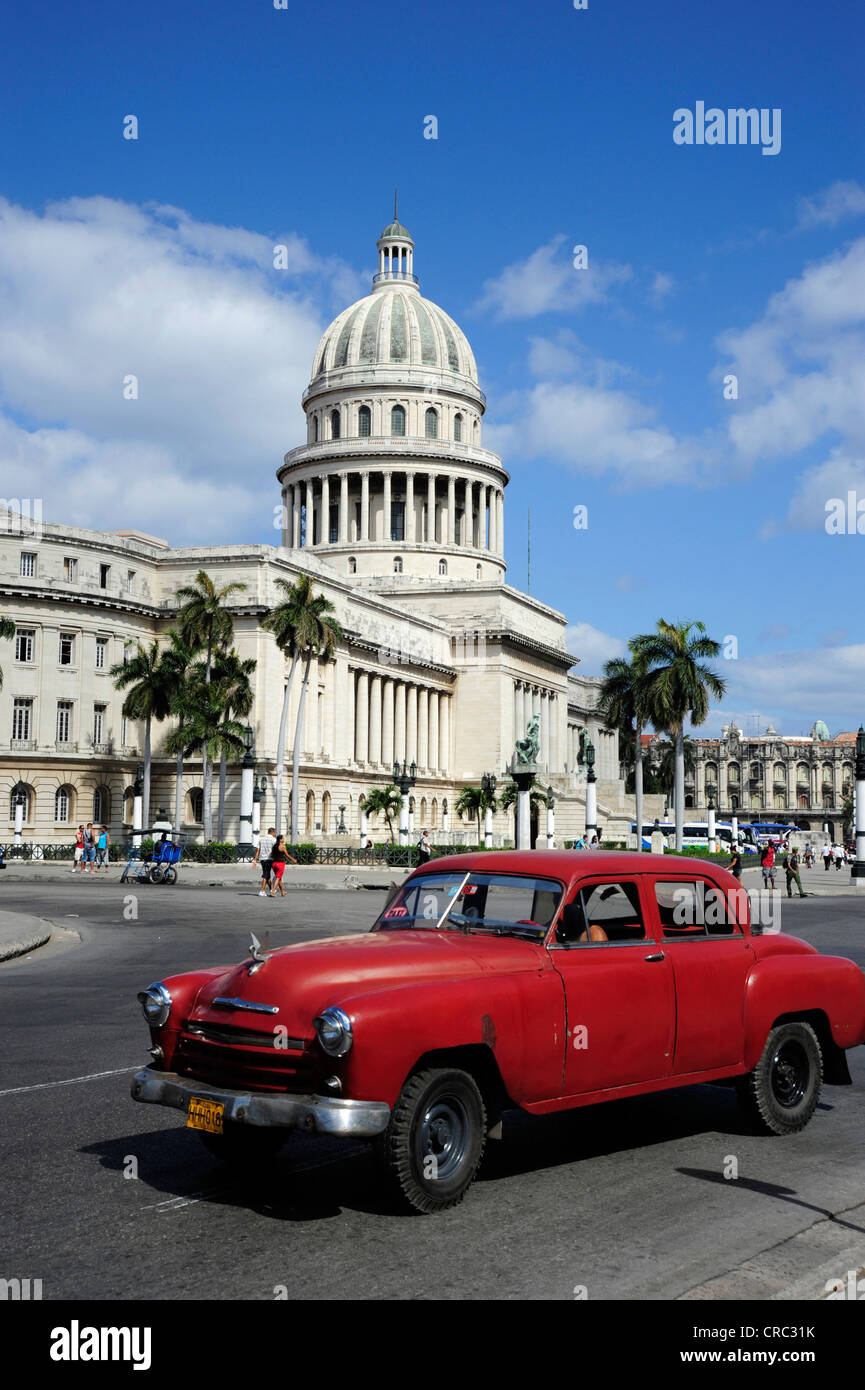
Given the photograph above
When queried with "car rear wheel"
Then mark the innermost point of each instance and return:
(244, 1146)
(435, 1139)
(782, 1091)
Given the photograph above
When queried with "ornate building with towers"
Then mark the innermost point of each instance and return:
(396, 510)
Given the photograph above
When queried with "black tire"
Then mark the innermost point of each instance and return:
(244, 1146)
(170, 875)
(780, 1095)
(435, 1140)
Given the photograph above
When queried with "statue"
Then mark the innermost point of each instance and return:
(526, 749)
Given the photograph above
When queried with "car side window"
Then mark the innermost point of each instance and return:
(602, 914)
(694, 908)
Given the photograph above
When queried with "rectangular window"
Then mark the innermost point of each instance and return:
(70, 569)
(101, 653)
(397, 521)
(67, 649)
(64, 720)
(603, 913)
(333, 524)
(693, 909)
(28, 563)
(104, 571)
(21, 719)
(24, 640)
(130, 579)
(99, 723)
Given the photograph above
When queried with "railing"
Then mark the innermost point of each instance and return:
(395, 275)
(381, 855)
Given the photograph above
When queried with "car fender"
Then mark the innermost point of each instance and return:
(780, 986)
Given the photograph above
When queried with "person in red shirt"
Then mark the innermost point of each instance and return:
(767, 863)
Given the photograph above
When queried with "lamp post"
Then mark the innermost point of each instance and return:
(404, 780)
(20, 792)
(591, 794)
(137, 804)
(857, 873)
(342, 829)
(710, 800)
(488, 785)
(247, 781)
(551, 819)
(258, 791)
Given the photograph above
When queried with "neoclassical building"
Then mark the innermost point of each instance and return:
(396, 510)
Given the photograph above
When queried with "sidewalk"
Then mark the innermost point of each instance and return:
(20, 933)
(210, 875)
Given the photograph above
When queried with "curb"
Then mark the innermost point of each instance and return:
(10, 949)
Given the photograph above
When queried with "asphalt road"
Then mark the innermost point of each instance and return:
(626, 1199)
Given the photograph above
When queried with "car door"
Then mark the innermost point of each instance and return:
(618, 988)
(700, 927)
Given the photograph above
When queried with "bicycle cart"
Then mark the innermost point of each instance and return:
(158, 865)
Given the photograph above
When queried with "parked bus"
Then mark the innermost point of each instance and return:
(772, 830)
(695, 834)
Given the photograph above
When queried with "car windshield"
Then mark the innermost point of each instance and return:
(498, 903)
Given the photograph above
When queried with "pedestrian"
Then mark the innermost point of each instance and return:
(262, 856)
(809, 857)
(826, 852)
(838, 854)
(580, 843)
(735, 865)
(791, 869)
(279, 857)
(89, 847)
(102, 844)
(767, 864)
(79, 851)
(424, 849)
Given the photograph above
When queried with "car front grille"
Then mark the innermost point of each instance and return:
(241, 1059)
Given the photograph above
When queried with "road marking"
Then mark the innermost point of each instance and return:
(70, 1081)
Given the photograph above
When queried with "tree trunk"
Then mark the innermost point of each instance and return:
(145, 799)
(295, 754)
(638, 786)
(220, 813)
(280, 745)
(207, 813)
(679, 786)
(178, 792)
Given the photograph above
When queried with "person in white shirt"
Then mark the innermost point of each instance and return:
(826, 852)
(838, 853)
(262, 856)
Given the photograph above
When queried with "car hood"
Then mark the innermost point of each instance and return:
(299, 981)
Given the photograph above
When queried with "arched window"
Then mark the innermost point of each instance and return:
(734, 802)
(352, 565)
(63, 799)
(195, 802)
(431, 424)
(101, 806)
(689, 801)
(434, 814)
(334, 424)
(315, 429)
(128, 805)
(476, 431)
(397, 420)
(310, 812)
(458, 427)
(28, 804)
(478, 571)
(397, 564)
(325, 813)
(423, 813)
(443, 566)
(364, 421)
(780, 801)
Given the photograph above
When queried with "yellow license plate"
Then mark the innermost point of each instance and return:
(205, 1114)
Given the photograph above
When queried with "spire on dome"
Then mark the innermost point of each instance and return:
(395, 254)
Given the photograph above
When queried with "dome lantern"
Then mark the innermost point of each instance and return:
(395, 255)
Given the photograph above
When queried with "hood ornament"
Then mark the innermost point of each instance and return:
(258, 959)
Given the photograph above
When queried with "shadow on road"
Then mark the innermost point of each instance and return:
(768, 1189)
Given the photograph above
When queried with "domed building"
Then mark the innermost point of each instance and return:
(395, 510)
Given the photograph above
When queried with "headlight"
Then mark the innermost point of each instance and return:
(155, 1001)
(334, 1032)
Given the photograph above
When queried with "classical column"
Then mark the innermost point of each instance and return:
(452, 509)
(545, 728)
(430, 509)
(361, 725)
(493, 519)
(325, 510)
(399, 746)
(552, 739)
(411, 725)
(444, 732)
(364, 507)
(310, 513)
(343, 508)
(466, 538)
(375, 719)
(517, 710)
(409, 508)
(386, 524)
(500, 521)
(387, 723)
(433, 750)
(296, 517)
(423, 727)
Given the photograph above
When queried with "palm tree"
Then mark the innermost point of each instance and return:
(293, 624)
(231, 678)
(203, 728)
(473, 801)
(150, 685)
(7, 629)
(204, 623)
(178, 658)
(621, 705)
(384, 800)
(678, 685)
(320, 635)
(664, 763)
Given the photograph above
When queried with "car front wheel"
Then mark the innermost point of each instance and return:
(782, 1091)
(435, 1139)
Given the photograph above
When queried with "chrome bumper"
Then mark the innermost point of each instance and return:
(360, 1119)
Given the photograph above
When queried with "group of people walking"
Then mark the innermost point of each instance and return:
(91, 848)
(272, 856)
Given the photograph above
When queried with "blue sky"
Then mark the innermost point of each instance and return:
(604, 386)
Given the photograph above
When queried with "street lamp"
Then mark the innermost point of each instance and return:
(20, 795)
(404, 780)
(137, 804)
(488, 786)
(710, 801)
(591, 794)
(247, 792)
(857, 873)
(342, 829)
(551, 819)
(258, 790)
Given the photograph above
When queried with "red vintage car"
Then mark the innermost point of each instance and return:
(537, 980)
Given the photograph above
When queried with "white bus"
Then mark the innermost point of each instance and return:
(695, 834)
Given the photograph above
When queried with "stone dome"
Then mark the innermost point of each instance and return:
(820, 731)
(396, 329)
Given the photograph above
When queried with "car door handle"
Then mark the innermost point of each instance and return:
(659, 956)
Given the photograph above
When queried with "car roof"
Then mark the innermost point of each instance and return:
(564, 863)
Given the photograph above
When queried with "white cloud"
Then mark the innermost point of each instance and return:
(593, 647)
(546, 281)
(221, 344)
(660, 286)
(824, 683)
(831, 205)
